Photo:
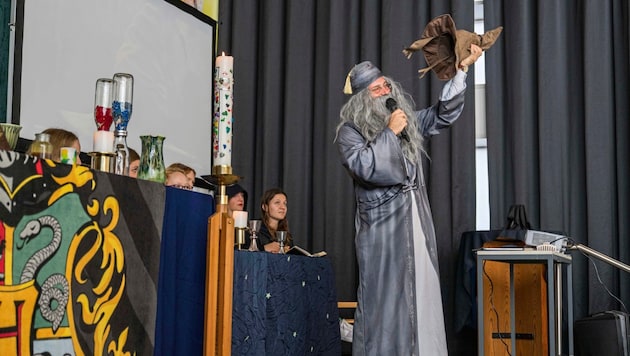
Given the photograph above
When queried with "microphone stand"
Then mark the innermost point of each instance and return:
(589, 251)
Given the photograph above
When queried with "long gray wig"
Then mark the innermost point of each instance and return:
(371, 116)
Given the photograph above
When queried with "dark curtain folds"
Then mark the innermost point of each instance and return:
(291, 59)
(557, 123)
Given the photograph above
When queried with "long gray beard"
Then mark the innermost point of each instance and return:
(371, 116)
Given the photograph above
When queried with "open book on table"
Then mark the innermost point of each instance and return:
(297, 250)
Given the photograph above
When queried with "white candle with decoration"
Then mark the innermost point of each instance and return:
(222, 120)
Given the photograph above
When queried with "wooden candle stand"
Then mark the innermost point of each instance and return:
(219, 269)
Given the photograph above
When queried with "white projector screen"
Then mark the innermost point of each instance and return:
(67, 45)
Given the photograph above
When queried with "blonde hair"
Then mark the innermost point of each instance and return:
(179, 167)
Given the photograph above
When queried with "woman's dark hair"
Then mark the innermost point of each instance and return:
(133, 155)
(283, 225)
(234, 189)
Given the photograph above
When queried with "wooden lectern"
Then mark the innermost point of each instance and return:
(520, 302)
(530, 286)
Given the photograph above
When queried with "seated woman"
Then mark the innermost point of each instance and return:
(274, 218)
(181, 176)
(61, 138)
(134, 163)
(237, 198)
(237, 201)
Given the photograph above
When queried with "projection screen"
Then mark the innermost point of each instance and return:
(168, 48)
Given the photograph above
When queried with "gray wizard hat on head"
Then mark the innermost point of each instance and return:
(360, 76)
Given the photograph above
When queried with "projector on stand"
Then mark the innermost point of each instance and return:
(539, 238)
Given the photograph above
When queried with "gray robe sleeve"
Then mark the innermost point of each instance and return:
(371, 163)
(447, 110)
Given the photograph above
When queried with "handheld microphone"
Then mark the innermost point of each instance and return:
(392, 106)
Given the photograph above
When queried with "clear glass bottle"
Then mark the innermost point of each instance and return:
(42, 147)
(103, 104)
(121, 151)
(122, 96)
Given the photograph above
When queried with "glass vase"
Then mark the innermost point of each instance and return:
(151, 159)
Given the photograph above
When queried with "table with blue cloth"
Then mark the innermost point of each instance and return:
(284, 305)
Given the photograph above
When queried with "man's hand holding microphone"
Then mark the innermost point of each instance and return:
(398, 119)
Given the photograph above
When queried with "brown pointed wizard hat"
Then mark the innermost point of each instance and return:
(444, 46)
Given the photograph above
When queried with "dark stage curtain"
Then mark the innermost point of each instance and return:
(557, 123)
(291, 58)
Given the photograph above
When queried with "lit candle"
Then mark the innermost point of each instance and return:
(222, 120)
(103, 141)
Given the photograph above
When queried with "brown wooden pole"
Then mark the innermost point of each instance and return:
(226, 286)
(219, 280)
(212, 285)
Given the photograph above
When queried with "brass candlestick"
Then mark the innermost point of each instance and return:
(222, 177)
(239, 237)
(102, 161)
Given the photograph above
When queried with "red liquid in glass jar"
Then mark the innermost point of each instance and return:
(103, 118)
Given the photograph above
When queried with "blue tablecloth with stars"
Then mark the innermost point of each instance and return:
(284, 305)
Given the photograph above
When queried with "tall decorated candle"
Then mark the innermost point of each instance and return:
(222, 120)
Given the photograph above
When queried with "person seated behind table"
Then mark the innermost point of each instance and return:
(134, 163)
(274, 218)
(237, 201)
(61, 138)
(189, 171)
(179, 175)
(237, 198)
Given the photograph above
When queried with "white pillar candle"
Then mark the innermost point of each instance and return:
(223, 120)
(103, 141)
(240, 219)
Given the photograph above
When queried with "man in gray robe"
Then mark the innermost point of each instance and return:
(380, 141)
